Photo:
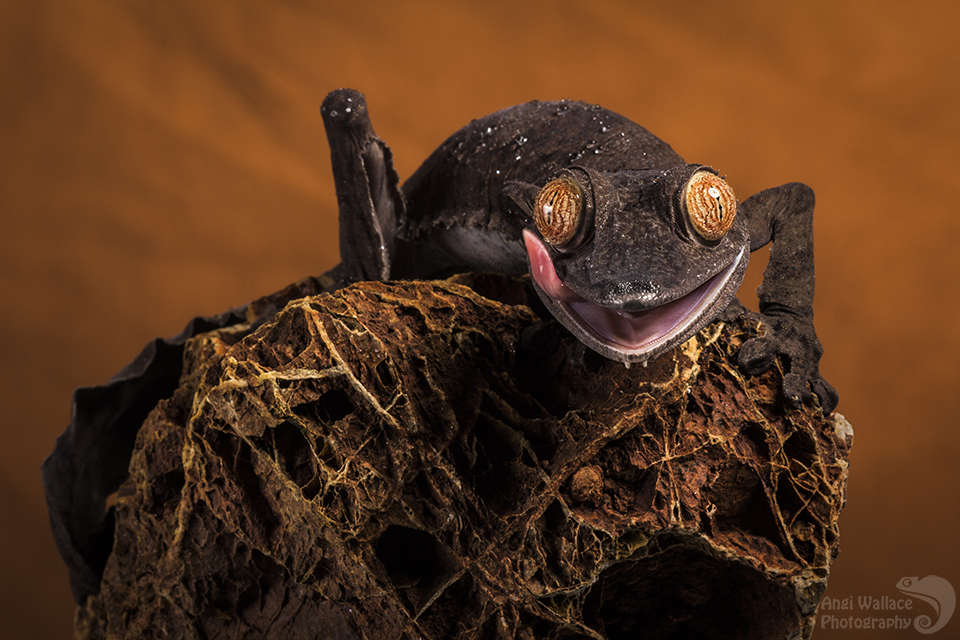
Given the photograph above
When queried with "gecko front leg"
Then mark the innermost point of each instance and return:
(784, 215)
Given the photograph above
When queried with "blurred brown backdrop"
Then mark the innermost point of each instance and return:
(163, 160)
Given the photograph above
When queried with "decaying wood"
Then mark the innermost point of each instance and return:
(435, 460)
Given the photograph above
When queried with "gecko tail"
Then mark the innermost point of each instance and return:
(368, 192)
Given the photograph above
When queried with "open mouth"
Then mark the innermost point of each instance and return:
(631, 333)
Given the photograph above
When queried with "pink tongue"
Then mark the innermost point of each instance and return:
(541, 268)
(629, 329)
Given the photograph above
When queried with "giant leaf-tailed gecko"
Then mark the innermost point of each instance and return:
(631, 248)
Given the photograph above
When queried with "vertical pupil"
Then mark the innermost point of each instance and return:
(715, 194)
(548, 208)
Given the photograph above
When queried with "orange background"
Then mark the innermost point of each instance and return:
(163, 160)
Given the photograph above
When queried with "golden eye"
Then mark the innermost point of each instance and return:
(711, 205)
(559, 211)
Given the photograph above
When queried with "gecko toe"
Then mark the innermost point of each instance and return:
(827, 394)
(796, 390)
(756, 355)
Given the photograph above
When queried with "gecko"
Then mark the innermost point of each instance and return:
(632, 249)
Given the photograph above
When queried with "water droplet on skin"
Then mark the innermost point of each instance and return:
(714, 193)
(489, 130)
(591, 146)
(498, 171)
(518, 157)
(520, 140)
(348, 109)
(333, 113)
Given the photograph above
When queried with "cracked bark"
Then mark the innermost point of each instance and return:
(435, 460)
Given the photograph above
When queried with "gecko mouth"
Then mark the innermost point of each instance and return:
(627, 335)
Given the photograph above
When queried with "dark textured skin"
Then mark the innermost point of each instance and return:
(466, 206)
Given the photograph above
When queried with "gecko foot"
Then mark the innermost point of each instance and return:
(795, 340)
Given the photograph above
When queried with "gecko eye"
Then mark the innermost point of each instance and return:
(558, 211)
(711, 205)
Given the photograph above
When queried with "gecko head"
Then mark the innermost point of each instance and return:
(633, 263)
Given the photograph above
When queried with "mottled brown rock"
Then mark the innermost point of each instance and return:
(416, 460)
